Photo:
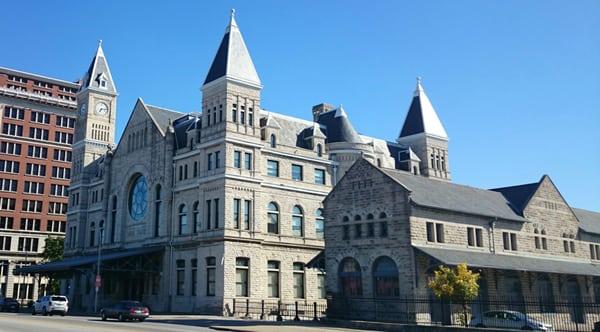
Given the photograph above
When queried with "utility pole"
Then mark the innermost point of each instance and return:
(98, 279)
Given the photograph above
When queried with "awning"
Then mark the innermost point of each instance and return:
(73, 262)
(510, 262)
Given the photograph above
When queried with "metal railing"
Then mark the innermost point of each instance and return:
(278, 310)
(563, 314)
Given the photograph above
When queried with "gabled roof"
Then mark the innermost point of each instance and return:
(448, 196)
(162, 117)
(98, 70)
(421, 117)
(339, 127)
(519, 195)
(233, 59)
(589, 221)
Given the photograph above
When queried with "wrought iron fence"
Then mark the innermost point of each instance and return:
(567, 314)
(279, 311)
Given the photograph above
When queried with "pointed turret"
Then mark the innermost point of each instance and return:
(98, 74)
(421, 117)
(233, 59)
(339, 127)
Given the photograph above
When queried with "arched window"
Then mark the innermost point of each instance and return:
(196, 217)
(297, 221)
(319, 224)
(319, 150)
(273, 218)
(182, 219)
(357, 218)
(546, 293)
(273, 141)
(385, 277)
(157, 206)
(101, 232)
(345, 219)
(113, 220)
(92, 234)
(378, 162)
(350, 279)
(512, 286)
(370, 216)
(382, 215)
(138, 198)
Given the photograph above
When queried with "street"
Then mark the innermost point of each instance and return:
(25, 322)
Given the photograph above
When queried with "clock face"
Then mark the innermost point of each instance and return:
(101, 109)
(83, 109)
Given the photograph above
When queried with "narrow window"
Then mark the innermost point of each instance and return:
(296, 172)
(273, 141)
(237, 159)
(210, 276)
(272, 168)
(248, 161)
(297, 221)
(247, 211)
(236, 212)
(273, 218)
(241, 276)
(319, 224)
(180, 277)
(298, 269)
(273, 278)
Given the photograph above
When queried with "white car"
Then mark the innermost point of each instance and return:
(510, 320)
(51, 304)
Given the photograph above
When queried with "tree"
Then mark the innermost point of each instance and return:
(458, 285)
(53, 251)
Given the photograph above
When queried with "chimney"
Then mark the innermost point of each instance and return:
(321, 108)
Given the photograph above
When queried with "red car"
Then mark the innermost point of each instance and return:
(126, 310)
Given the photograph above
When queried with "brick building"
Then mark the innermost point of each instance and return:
(38, 118)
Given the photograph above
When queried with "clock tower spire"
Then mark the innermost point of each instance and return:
(97, 102)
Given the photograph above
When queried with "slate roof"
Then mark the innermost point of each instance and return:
(339, 128)
(233, 59)
(421, 116)
(98, 67)
(454, 197)
(519, 195)
(293, 131)
(589, 221)
(511, 262)
(182, 125)
(163, 116)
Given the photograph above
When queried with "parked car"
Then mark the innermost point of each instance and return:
(126, 310)
(9, 304)
(510, 320)
(51, 304)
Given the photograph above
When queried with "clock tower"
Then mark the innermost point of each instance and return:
(97, 102)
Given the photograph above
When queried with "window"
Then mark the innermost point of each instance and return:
(217, 159)
(349, 276)
(55, 226)
(194, 278)
(319, 150)
(14, 113)
(62, 155)
(273, 218)
(35, 169)
(210, 276)
(209, 164)
(273, 141)
(569, 244)
(474, 237)
(371, 229)
(27, 244)
(594, 251)
(8, 204)
(208, 213)
(10, 148)
(296, 172)
(236, 212)
(297, 221)
(40, 117)
(5, 242)
(61, 172)
(241, 276)
(247, 211)
(298, 272)
(272, 168)
(12, 129)
(9, 166)
(138, 198)
(248, 161)
(319, 224)
(38, 133)
(357, 231)
(37, 152)
(92, 234)
(346, 232)
(385, 277)
(56, 207)
(509, 240)
(320, 176)
(237, 159)
(196, 217)
(435, 232)
(182, 219)
(66, 122)
(6, 222)
(65, 138)
(29, 224)
(31, 206)
(273, 278)
(180, 276)
(11, 185)
(157, 207)
(321, 286)
(195, 172)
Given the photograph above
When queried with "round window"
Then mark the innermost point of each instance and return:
(138, 198)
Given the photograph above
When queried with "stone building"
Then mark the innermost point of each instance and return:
(37, 115)
(387, 231)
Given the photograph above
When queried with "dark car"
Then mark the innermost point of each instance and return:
(9, 304)
(126, 310)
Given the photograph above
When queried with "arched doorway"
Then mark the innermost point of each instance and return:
(350, 278)
(385, 278)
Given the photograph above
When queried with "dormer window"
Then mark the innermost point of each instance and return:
(102, 81)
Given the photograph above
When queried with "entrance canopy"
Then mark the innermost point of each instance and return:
(510, 262)
(71, 263)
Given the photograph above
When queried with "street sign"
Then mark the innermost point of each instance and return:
(98, 281)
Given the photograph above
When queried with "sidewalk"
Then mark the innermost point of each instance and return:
(282, 327)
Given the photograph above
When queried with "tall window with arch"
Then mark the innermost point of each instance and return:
(273, 141)
(182, 219)
(385, 277)
(350, 277)
(157, 206)
(196, 217)
(101, 232)
(319, 150)
(273, 218)
(297, 221)
(319, 224)
(92, 234)
(113, 219)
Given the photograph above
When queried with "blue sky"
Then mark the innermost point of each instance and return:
(516, 83)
